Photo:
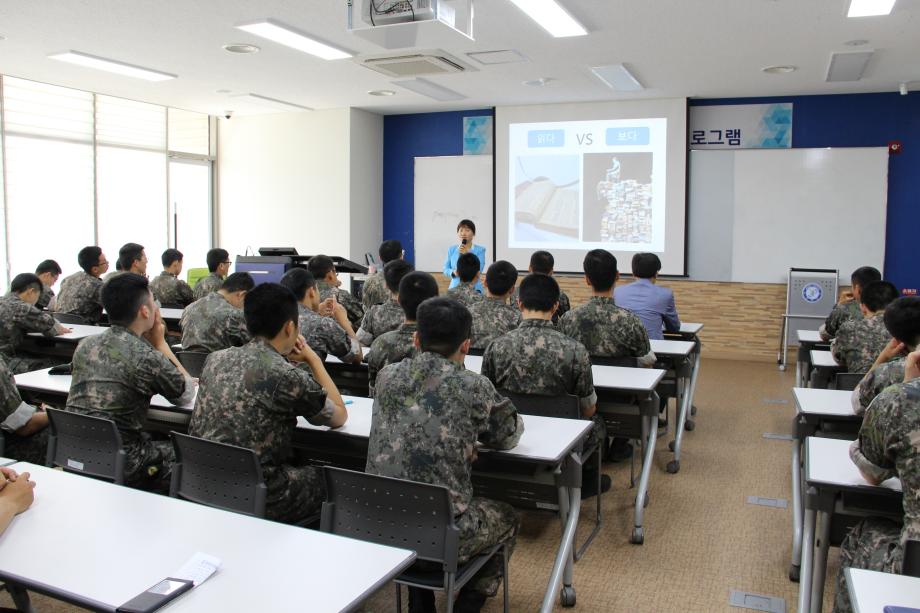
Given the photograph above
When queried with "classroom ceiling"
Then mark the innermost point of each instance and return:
(677, 48)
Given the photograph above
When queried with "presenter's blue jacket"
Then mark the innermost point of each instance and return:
(652, 303)
(450, 264)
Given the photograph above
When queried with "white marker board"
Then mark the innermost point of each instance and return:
(448, 189)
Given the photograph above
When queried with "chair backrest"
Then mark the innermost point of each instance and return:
(911, 564)
(476, 351)
(194, 275)
(217, 475)
(192, 361)
(69, 318)
(848, 380)
(85, 445)
(565, 406)
(394, 512)
(603, 360)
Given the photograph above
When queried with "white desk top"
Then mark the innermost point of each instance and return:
(545, 439)
(814, 401)
(871, 592)
(128, 540)
(171, 314)
(41, 381)
(672, 348)
(823, 359)
(689, 328)
(827, 460)
(79, 332)
(612, 377)
(809, 336)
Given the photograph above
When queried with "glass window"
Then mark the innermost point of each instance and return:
(190, 198)
(188, 132)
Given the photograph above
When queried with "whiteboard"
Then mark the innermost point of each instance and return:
(757, 212)
(448, 189)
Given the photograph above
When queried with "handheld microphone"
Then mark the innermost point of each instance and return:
(463, 242)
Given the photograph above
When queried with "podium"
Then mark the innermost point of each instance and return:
(811, 294)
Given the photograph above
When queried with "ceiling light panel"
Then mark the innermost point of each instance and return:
(430, 89)
(114, 66)
(617, 77)
(285, 35)
(552, 17)
(274, 103)
(847, 66)
(870, 8)
(489, 58)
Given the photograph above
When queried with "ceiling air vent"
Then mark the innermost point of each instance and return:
(414, 64)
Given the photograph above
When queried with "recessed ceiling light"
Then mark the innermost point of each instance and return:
(382, 92)
(273, 102)
(223, 91)
(537, 82)
(2, 37)
(870, 8)
(618, 77)
(241, 48)
(127, 70)
(859, 42)
(778, 69)
(288, 36)
(551, 17)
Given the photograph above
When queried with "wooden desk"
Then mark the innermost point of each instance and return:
(97, 545)
(871, 592)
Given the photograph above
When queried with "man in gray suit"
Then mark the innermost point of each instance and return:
(653, 304)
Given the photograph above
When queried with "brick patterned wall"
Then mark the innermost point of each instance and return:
(743, 320)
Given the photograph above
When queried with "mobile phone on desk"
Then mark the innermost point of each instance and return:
(156, 596)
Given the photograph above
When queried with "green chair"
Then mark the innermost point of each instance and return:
(195, 275)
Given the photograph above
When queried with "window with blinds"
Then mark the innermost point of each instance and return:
(189, 132)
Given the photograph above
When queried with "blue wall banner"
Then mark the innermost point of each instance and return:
(741, 126)
(477, 135)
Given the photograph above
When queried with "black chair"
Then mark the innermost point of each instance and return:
(89, 446)
(564, 407)
(192, 361)
(69, 318)
(409, 515)
(217, 475)
(624, 361)
(476, 351)
(911, 564)
(848, 381)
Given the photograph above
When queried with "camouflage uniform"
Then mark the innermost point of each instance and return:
(392, 347)
(607, 330)
(171, 291)
(886, 447)
(859, 342)
(538, 359)
(81, 294)
(14, 414)
(429, 414)
(17, 318)
(465, 294)
(352, 305)
(115, 374)
(251, 396)
(875, 381)
(564, 304)
(207, 285)
(212, 324)
(374, 290)
(840, 314)
(379, 319)
(492, 317)
(44, 301)
(325, 336)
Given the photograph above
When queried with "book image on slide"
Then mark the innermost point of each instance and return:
(546, 198)
(618, 198)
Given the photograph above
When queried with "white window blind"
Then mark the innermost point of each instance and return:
(37, 109)
(188, 132)
(130, 124)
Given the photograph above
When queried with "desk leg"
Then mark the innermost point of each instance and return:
(684, 375)
(20, 598)
(649, 430)
(569, 507)
(808, 556)
(800, 373)
(797, 519)
(694, 376)
(819, 570)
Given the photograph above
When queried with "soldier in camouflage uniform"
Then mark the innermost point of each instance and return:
(375, 289)
(902, 320)
(325, 335)
(848, 307)
(542, 262)
(600, 325)
(48, 271)
(81, 292)
(538, 359)
(381, 318)
(22, 426)
(116, 373)
(886, 447)
(429, 413)
(323, 270)
(465, 292)
(398, 344)
(18, 317)
(860, 341)
(218, 268)
(168, 289)
(493, 316)
(251, 396)
(216, 321)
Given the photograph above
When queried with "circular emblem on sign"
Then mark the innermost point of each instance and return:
(812, 292)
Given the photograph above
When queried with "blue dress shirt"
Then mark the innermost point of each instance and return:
(450, 264)
(653, 304)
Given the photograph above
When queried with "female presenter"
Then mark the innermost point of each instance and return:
(466, 231)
